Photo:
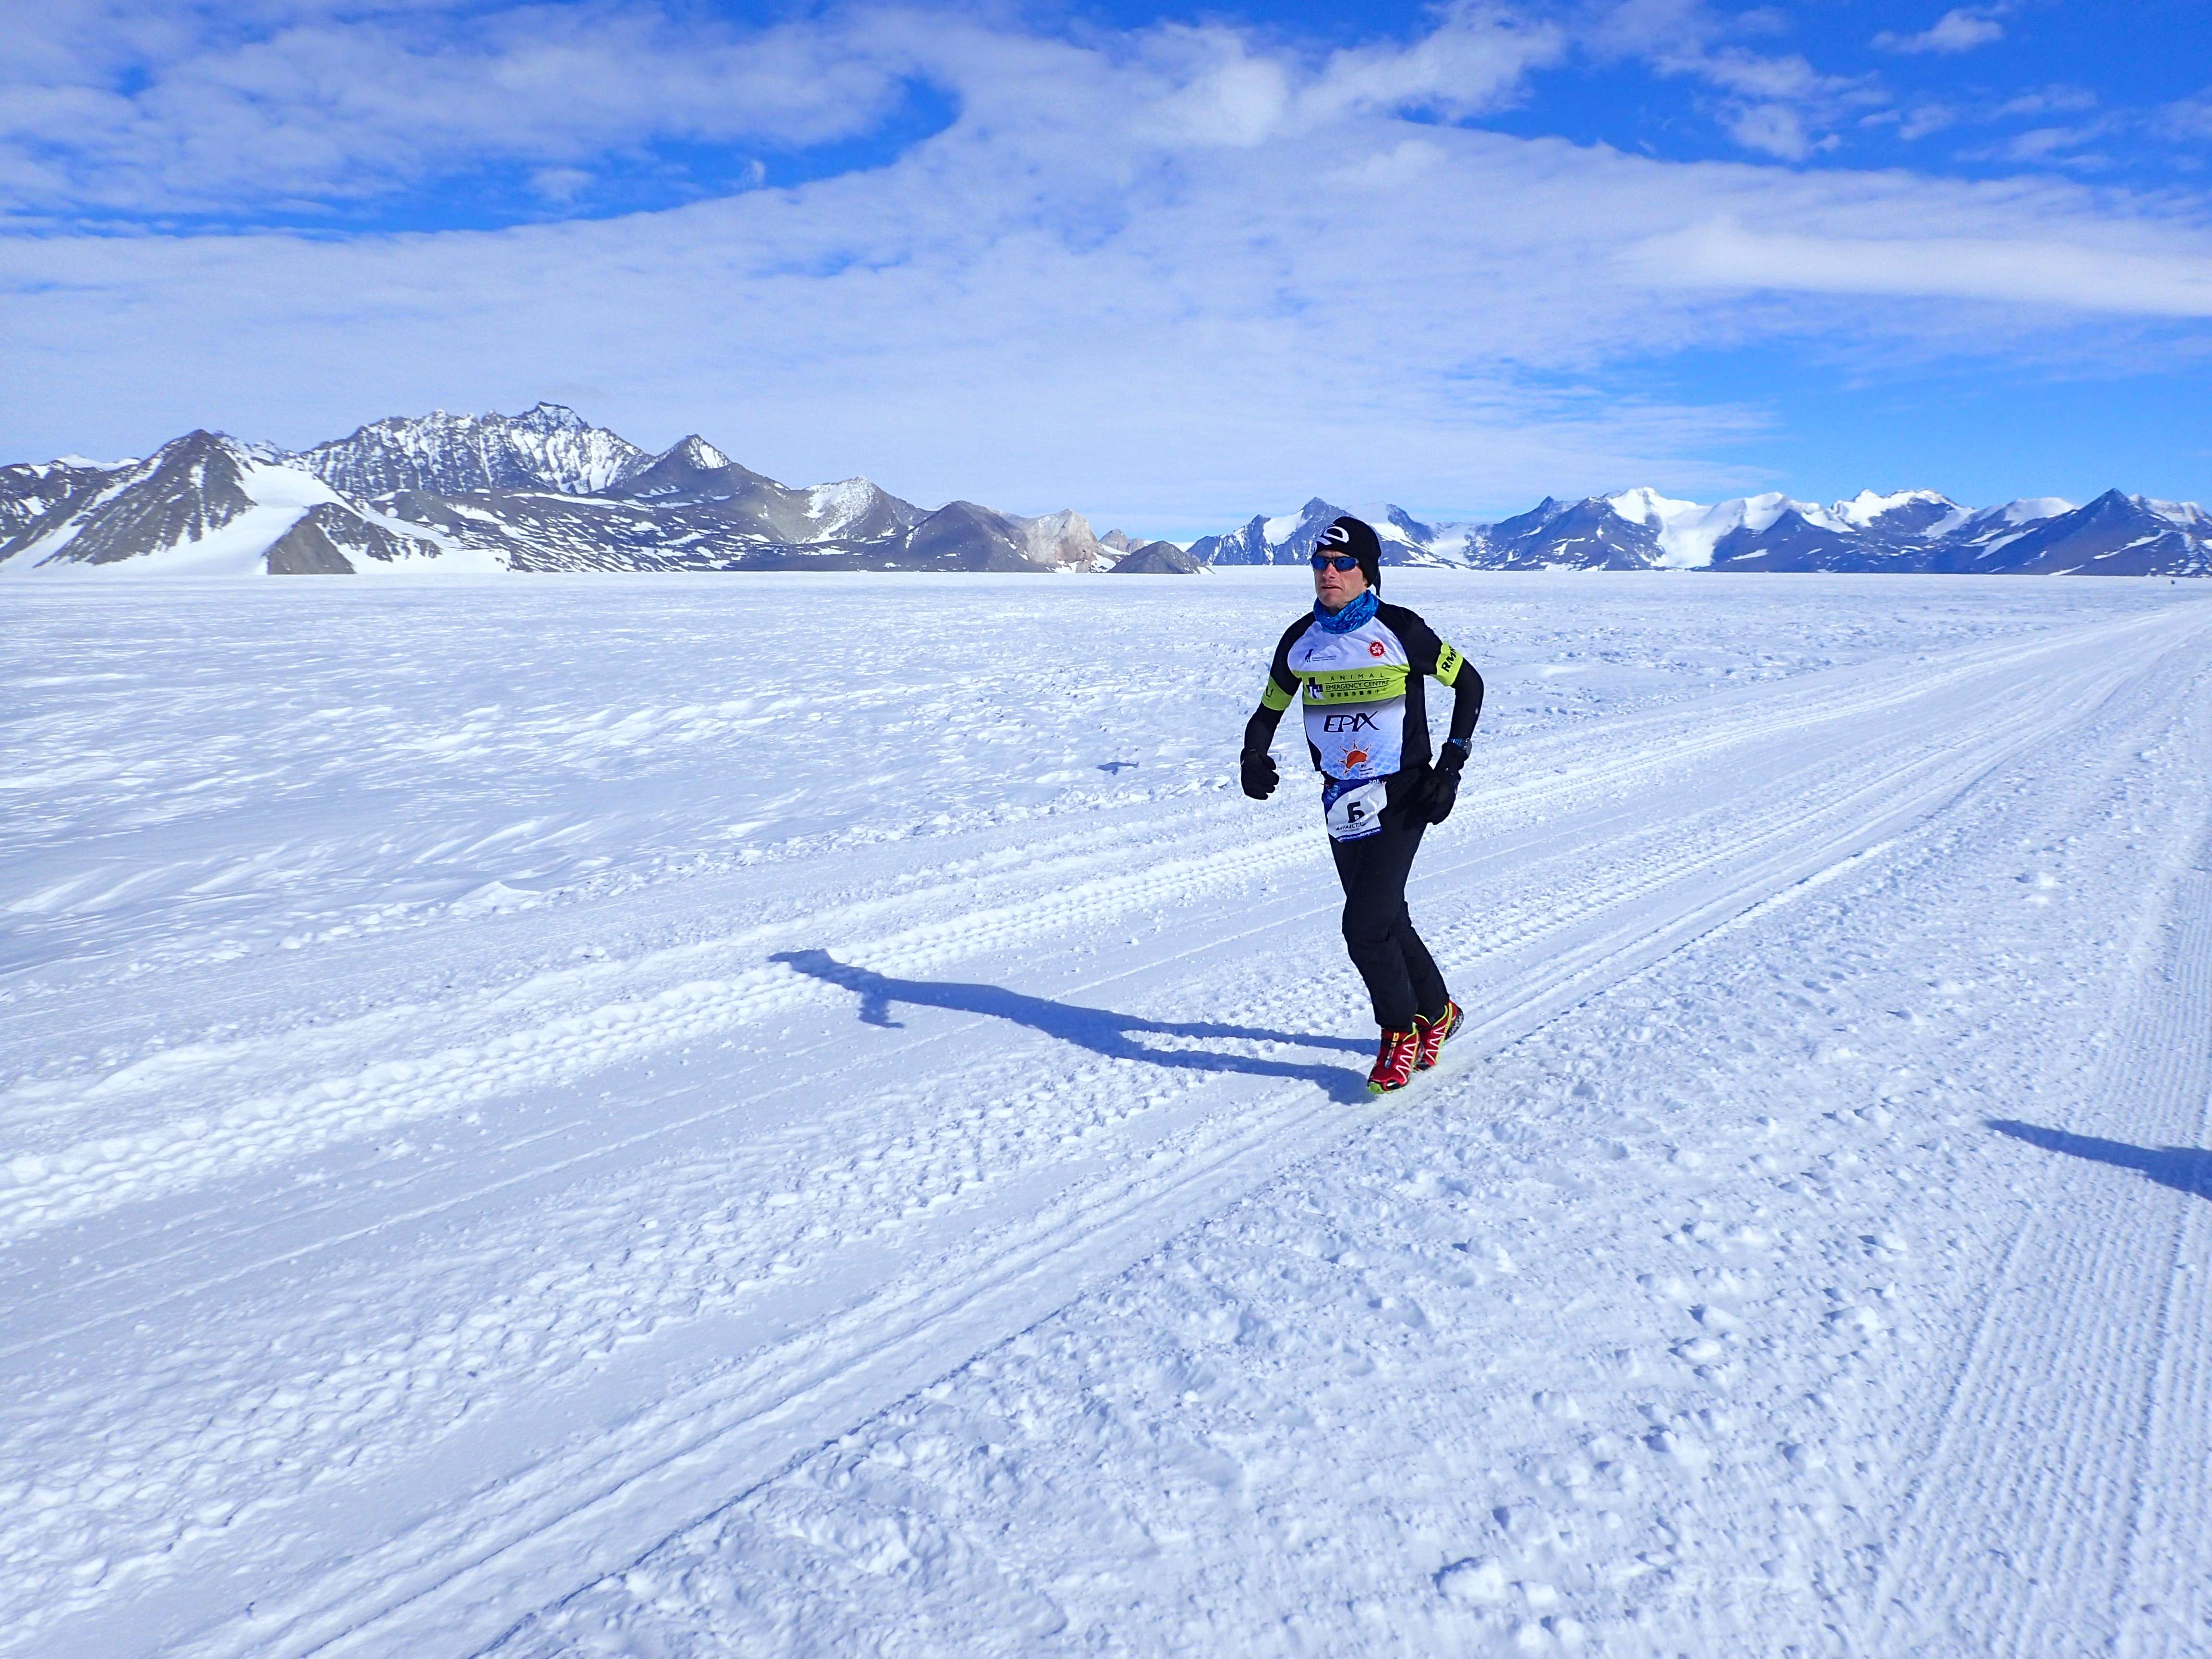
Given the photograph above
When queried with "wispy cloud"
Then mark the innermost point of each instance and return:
(1774, 129)
(1960, 29)
(2188, 120)
(1215, 85)
(2060, 146)
(2067, 142)
(109, 106)
(2020, 269)
(562, 185)
(2048, 101)
(1772, 104)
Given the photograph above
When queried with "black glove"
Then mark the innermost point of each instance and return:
(1260, 776)
(1443, 783)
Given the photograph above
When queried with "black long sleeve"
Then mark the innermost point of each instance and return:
(1466, 702)
(1260, 730)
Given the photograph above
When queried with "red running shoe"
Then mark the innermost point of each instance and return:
(1394, 1063)
(1433, 1034)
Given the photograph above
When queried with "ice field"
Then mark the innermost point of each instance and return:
(748, 1115)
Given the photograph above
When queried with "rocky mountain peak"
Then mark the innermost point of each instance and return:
(692, 469)
(695, 451)
(1062, 538)
(1871, 507)
(542, 416)
(549, 446)
(185, 491)
(30, 490)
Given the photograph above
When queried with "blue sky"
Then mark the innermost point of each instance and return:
(1168, 266)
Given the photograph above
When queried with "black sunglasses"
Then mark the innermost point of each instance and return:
(1339, 562)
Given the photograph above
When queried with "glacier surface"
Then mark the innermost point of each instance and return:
(538, 1119)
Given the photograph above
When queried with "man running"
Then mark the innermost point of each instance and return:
(1361, 662)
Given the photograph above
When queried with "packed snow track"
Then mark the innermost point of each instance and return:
(670, 1117)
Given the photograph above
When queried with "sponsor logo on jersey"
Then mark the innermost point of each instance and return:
(1374, 648)
(1351, 720)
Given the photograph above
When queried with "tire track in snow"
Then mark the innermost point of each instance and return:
(101, 1175)
(2013, 1512)
(999, 876)
(1542, 912)
(96, 1176)
(1565, 967)
(1689, 861)
(458, 1574)
(2164, 1603)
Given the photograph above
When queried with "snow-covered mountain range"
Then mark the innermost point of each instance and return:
(1914, 530)
(546, 491)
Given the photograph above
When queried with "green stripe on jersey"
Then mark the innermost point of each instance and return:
(1375, 684)
(1273, 696)
(1449, 663)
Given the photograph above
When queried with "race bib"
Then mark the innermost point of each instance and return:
(1354, 807)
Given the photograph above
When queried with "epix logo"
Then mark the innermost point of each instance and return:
(1351, 720)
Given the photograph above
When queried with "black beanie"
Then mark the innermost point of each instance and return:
(1357, 537)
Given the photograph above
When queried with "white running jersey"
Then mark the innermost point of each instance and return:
(1354, 698)
(1360, 691)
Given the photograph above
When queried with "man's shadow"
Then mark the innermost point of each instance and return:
(2184, 1169)
(1099, 1029)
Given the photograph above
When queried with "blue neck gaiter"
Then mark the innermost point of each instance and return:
(1361, 610)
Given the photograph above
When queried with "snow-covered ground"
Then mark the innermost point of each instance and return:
(745, 1116)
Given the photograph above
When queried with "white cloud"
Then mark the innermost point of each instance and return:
(107, 105)
(1236, 98)
(1918, 123)
(2055, 146)
(1476, 59)
(2189, 120)
(1960, 29)
(1769, 104)
(2049, 100)
(1475, 62)
(560, 184)
(1774, 129)
(2045, 143)
(2021, 269)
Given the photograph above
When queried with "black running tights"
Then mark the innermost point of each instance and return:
(1401, 974)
